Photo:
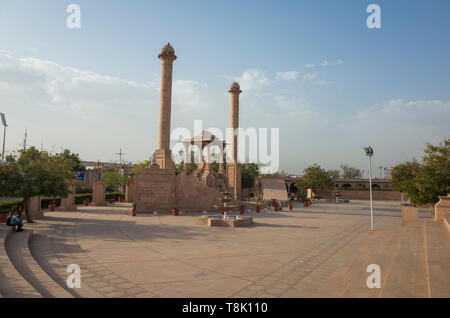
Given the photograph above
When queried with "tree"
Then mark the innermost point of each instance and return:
(424, 183)
(333, 174)
(113, 178)
(60, 175)
(249, 172)
(74, 158)
(314, 178)
(351, 172)
(34, 173)
(403, 176)
(140, 166)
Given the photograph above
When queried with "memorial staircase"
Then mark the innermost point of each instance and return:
(417, 258)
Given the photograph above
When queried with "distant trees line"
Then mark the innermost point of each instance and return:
(421, 182)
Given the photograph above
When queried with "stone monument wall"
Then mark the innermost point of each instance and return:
(154, 190)
(194, 195)
(361, 195)
(273, 188)
(130, 192)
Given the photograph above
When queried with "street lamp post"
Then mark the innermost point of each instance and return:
(4, 134)
(369, 153)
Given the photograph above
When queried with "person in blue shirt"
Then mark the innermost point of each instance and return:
(16, 220)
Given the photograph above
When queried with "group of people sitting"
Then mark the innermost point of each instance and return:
(15, 219)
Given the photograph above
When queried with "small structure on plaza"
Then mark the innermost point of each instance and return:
(225, 220)
(159, 188)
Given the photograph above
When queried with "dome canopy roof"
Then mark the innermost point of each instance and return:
(234, 86)
(167, 49)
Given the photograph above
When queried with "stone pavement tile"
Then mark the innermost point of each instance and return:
(199, 288)
(238, 266)
(162, 271)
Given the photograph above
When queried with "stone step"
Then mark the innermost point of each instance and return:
(407, 276)
(12, 284)
(52, 252)
(438, 247)
(19, 253)
(46, 257)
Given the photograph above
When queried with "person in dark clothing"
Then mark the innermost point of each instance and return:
(16, 220)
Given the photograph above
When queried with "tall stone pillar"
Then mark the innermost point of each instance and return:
(163, 154)
(234, 169)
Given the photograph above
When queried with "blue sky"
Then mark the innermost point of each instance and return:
(387, 87)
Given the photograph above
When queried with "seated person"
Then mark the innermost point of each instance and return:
(17, 220)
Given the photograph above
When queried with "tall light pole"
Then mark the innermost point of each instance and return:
(4, 134)
(369, 153)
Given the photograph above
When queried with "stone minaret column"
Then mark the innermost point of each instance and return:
(163, 153)
(233, 167)
(234, 92)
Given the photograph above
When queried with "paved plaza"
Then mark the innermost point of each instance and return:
(320, 251)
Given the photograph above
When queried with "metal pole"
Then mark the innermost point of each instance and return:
(370, 186)
(4, 136)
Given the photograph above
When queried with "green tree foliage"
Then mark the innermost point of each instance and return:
(249, 172)
(35, 173)
(351, 172)
(404, 176)
(314, 178)
(74, 158)
(113, 178)
(60, 175)
(423, 183)
(140, 166)
(333, 174)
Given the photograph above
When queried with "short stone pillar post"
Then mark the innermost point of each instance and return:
(99, 193)
(442, 208)
(68, 203)
(410, 214)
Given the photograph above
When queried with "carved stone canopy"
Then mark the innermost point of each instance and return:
(205, 138)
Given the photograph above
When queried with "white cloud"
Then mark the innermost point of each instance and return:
(309, 76)
(251, 80)
(309, 65)
(286, 76)
(62, 105)
(340, 62)
(324, 63)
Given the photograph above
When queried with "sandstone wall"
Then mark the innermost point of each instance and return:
(361, 195)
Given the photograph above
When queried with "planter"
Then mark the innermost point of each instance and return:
(275, 208)
(290, 207)
(133, 212)
(52, 207)
(175, 212)
(86, 203)
(3, 217)
(241, 210)
(258, 209)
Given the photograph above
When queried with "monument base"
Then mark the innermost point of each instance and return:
(164, 160)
